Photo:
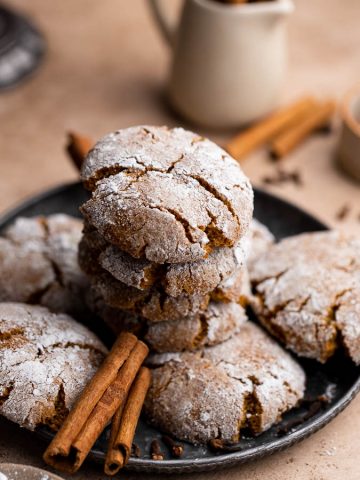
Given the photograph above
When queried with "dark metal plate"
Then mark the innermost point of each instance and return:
(339, 375)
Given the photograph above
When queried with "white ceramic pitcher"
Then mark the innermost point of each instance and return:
(229, 61)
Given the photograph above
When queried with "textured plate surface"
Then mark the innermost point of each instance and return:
(339, 376)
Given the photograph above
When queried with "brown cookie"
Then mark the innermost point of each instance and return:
(308, 293)
(216, 324)
(152, 304)
(39, 264)
(164, 194)
(46, 360)
(199, 277)
(248, 381)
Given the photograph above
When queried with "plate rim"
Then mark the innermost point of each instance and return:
(218, 460)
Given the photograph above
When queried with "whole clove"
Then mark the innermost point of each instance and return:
(176, 449)
(135, 450)
(155, 451)
(283, 176)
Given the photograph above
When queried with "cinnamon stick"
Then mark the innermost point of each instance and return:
(97, 404)
(316, 118)
(266, 129)
(78, 147)
(124, 424)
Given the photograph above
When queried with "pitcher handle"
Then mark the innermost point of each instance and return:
(163, 22)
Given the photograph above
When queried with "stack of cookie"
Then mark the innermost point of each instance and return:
(165, 237)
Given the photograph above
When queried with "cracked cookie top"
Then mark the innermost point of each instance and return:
(308, 293)
(189, 278)
(164, 194)
(39, 264)
(46, 360)
(248, 381)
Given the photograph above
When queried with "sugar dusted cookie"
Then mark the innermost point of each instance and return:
(219, 322)
(166, 195)
(152, 304)
(199, 277)
(46, 360)
(38, 263)
(248, 381)
(308, 293)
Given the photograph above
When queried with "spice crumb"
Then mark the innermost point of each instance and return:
(343, 212)
(282, 176)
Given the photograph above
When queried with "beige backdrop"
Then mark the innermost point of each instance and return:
(105, 69)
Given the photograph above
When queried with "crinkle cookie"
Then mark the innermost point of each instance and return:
(199, 277)
(308, 293)
(46, 360)
(166, 195)
(156, 306)
(216, 324)
(257, 241)
(248, 381)
(152, 304)
(39, 264)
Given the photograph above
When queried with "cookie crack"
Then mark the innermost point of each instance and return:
(202, 331)
(174, 163)
(215, 193)
(183, 222)
(276, 278)
(9, 334)
(336, 304)
(61, 411)
(6, 391)
(82, 346)
(253, 410)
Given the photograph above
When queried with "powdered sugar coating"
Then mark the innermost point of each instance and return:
(46, 360)
(165, 194)
(308, 289)
(247, 381)
(38, 263)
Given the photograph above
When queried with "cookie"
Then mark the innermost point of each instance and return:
(248, 382)
(152, 304)
(308, 293)
(216, 324)
(46, 361)
(199, 277)
(257, 241)
(166, 195)
(38, 263)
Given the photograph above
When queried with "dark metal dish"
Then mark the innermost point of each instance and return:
(339, 377)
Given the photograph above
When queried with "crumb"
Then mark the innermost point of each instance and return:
(342, 213)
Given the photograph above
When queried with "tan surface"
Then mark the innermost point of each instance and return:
(105, 68)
